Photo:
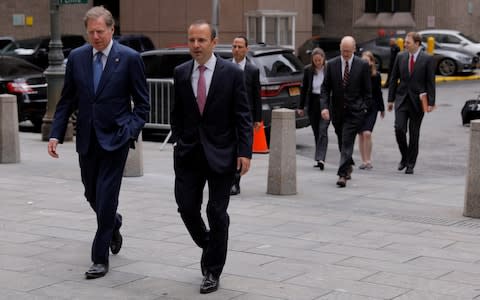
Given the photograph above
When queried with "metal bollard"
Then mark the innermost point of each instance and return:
(472, 188)
(134, 164)
(282, 164)
(9, 139)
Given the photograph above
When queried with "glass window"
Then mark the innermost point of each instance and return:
(451, 39)
(275, 65)
(392, 6)
(271, 28)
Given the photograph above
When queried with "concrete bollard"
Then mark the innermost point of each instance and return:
(282, 163)
(472, 189)
(134, 164)
(9, 139)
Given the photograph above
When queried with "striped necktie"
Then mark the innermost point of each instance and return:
(346, 74)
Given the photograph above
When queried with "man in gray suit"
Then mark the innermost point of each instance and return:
(348, 86)
(413, 75)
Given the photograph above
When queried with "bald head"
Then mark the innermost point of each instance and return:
(347, 47)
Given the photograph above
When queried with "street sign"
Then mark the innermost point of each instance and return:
(73, 1)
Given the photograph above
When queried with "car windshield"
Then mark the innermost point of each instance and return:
(278, 64)
(10, 66)
(468, 38)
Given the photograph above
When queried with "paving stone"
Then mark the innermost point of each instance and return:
(22, 282)
(425, 285)
(419, 295)
(365, 253)
(391, 267)
(342, 295)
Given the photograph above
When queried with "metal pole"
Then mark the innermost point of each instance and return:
(215, 15)
(55, 73)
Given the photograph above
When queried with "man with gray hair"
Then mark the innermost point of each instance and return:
(101, 80)
(345, 97)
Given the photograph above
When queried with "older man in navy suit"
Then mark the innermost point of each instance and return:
(101, 81)
(212, 133)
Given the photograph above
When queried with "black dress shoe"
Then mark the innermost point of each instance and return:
(96, 271)
(209, 284)
(401, 165)
(116, 242)
(235, 190)
(321, 165)
(409, 170)
(342, 181)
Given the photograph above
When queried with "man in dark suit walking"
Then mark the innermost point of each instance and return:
(252, 84)
(413, 76)
(348, 86)
(394, 50)
(101, 81)
(212, 134)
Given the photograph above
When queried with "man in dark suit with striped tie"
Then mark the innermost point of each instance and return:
(346, 95)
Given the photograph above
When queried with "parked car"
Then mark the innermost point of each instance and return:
(5, 42)
(281, 74)
(452, 39)
(330, 45)
(447, 61)
(35, 50)
(139, 42)
(28, 83)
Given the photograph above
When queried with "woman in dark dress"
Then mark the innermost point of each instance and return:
(310, 97)
(365, 132)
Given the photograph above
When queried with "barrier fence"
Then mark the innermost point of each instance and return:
(161, 99)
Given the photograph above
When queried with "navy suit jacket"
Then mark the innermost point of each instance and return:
(252, 83)
(422, 80)
(224, 130)
(108, 111)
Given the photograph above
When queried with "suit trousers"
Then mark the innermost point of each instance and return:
(407, 116)
(102, 173)
(191, 175)
(319, 127)
(346, 130)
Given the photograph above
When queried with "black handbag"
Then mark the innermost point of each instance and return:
(470, 111)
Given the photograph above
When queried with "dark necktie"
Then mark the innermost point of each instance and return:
(97, 70)
(412, 64)
(201, 89)
(346, 74)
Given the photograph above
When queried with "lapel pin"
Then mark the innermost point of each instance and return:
(117, 60)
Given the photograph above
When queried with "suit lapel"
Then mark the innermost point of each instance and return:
(112, 62)
(218, 69)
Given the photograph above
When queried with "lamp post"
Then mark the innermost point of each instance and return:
(215, 21)
(55, 73)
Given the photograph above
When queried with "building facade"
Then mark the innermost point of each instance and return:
(282, 22)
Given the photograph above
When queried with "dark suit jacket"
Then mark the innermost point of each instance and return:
(109, 110)
(305, 96)
(355, 97)
(402, 84)
(225, 128)
(252, 83)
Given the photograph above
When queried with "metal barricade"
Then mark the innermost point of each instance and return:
(161, 98)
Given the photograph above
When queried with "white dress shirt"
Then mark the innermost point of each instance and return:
(210, 67)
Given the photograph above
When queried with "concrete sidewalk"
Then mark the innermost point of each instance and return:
(386, 236)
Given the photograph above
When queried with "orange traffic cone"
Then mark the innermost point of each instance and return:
(259, 140)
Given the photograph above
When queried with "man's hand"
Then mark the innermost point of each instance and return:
(390, 106)
(430, 108)
(300, 112)
(325, 114)
(243, 165)
(257, 125)
(52, 148)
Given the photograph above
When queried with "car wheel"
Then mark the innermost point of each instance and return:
(447, 67)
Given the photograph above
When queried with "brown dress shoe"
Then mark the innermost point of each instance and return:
(342, 181)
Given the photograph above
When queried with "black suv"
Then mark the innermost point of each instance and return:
(35, 50)
(281, 74)
(139, 42)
